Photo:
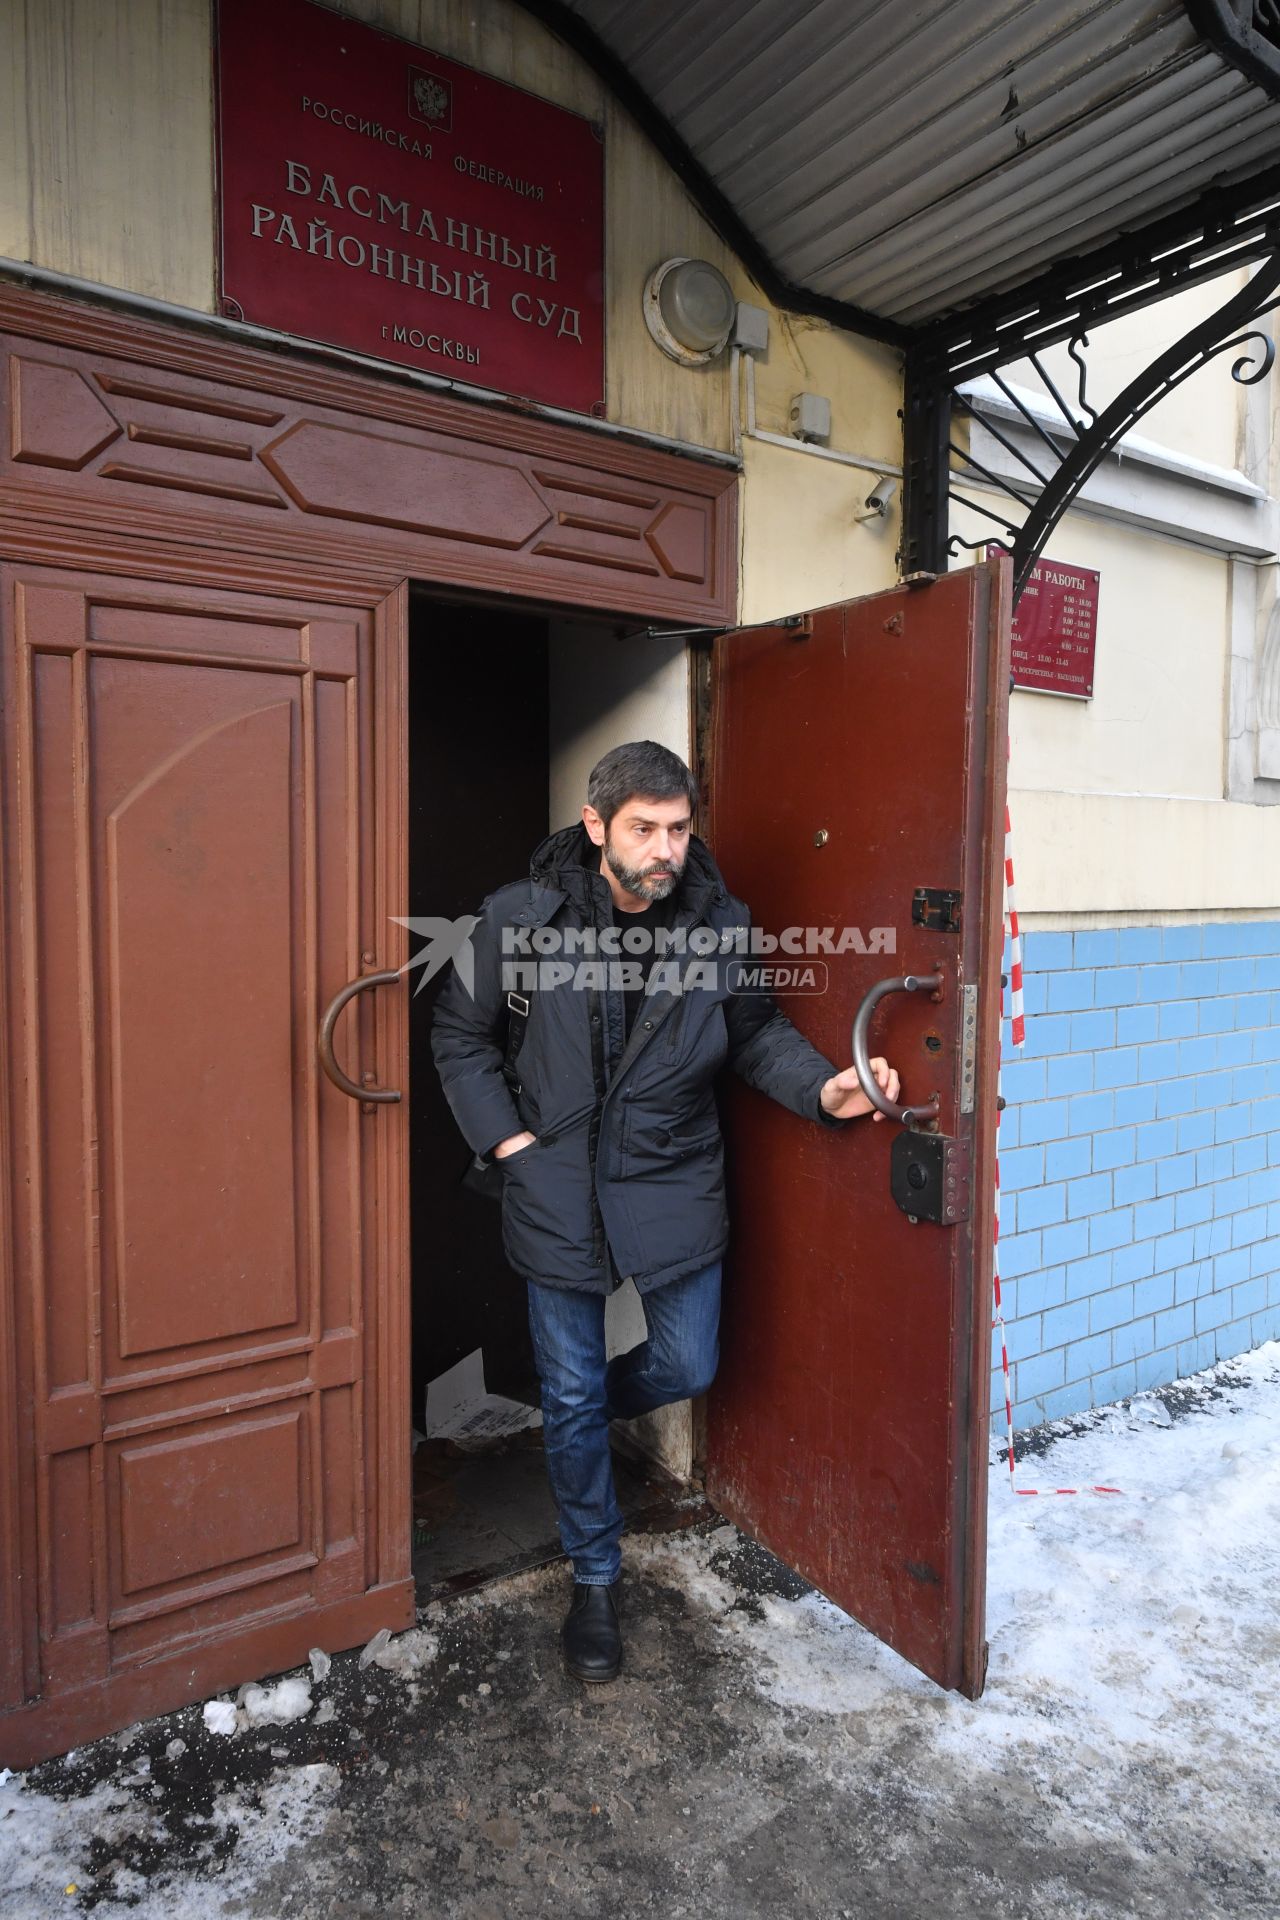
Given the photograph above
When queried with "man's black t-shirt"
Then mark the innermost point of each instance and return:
(654, 920)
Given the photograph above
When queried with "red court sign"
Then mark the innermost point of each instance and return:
(376, 196)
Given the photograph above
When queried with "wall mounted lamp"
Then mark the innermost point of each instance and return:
(690, 309)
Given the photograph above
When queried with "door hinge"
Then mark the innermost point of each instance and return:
(929, 1177)
(937, 908)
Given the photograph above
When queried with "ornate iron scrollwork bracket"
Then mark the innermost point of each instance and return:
(1066, 455)
(1054, 443)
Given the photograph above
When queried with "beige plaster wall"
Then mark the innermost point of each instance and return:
(1130, 859)
(801, 546)
(106, 142)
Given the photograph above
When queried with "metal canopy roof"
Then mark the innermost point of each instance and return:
(906, 159)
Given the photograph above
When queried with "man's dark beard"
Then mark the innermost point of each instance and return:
(651, 886)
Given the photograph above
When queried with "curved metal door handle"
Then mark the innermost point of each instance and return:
(324, 1040)
(904, 983)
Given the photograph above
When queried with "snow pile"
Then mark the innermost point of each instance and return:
(289, 1699)
(259, 1706)
(405, 1655)
(220, 1717)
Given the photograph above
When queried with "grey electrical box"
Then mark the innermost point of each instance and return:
(810, 417)
(750, 329)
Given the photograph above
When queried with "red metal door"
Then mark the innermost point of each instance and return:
(854, 760)
(204, 1338)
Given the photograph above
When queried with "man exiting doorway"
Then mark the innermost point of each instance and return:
(606, 992)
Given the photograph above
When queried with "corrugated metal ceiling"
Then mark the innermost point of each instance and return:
(911, 157)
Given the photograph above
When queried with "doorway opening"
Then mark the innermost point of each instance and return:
(509, 708)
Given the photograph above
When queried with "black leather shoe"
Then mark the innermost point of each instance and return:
(591, 1634)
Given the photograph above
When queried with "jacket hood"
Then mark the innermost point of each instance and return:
(570, 861)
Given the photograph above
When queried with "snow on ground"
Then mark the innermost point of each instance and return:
(1116, 1617)
(1140, 1627)
(1132, 1708)
(46, 1844)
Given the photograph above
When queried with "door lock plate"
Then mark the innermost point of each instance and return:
(937, 908)
(929, 1177)
(968, 1046)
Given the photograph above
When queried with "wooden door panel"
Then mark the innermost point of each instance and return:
(197, 931)
(175, 1517)
(852, 763)
(192, 863)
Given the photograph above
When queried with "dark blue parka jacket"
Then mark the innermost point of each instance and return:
(628, 1159)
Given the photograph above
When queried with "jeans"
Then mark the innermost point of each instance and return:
(581, 1393)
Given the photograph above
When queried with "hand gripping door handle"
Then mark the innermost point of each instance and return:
(904, 983)
(324, 1041)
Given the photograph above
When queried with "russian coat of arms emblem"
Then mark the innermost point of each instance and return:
(430, 99)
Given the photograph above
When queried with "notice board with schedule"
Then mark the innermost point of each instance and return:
(1055, 630)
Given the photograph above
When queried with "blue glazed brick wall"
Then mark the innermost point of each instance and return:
(1139, 1160)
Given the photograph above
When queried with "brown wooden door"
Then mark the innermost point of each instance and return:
(206, 1387)
(848, 1428)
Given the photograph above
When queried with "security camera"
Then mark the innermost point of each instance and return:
(880, 498)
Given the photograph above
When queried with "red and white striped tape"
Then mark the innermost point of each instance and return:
(1019, 1035)
(1015, 938)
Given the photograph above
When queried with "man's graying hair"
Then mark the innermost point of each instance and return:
(638, 769)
